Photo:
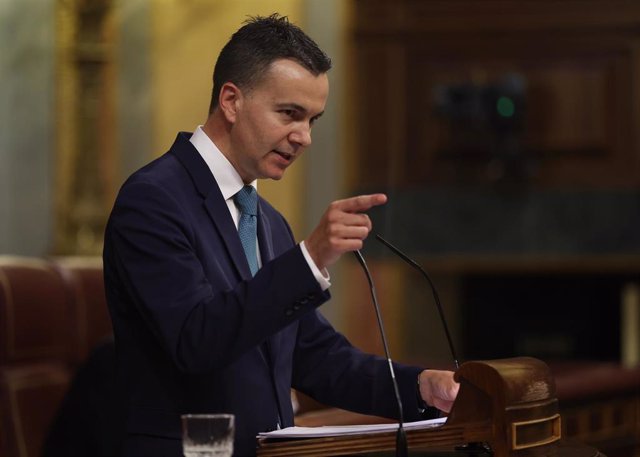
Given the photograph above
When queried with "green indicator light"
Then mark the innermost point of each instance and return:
(505, 107)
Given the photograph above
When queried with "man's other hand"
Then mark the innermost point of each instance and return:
(437, 388)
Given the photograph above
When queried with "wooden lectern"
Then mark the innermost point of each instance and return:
(508, 404)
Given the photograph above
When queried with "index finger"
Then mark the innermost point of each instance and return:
(361, 202)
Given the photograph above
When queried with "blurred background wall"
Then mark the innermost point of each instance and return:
(27, 100)
(505, 133)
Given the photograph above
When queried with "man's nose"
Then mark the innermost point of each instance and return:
(301, 135)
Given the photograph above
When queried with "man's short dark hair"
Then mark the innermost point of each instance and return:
(259, 42)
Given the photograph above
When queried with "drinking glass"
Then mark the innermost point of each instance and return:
(207, 435)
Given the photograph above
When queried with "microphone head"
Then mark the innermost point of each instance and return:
(398, 252)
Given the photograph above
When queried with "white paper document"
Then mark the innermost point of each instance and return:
(344, 430)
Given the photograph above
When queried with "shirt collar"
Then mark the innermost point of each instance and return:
(223, 172)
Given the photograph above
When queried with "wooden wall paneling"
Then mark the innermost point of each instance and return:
(380, 112)
(491, 15)
(577, 126)
(360, 317)
(579, 59)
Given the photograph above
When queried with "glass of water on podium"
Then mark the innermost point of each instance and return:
(207, 435)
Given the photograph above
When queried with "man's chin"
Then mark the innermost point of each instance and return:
(276, 177)
(275, 173)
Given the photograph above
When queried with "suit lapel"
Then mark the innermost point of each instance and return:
(214, 202)
(215, 206)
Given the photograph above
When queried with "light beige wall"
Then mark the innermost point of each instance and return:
(27, 133)
(327, 21)
(186, 37)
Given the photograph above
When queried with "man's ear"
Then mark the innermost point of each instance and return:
(229, 101)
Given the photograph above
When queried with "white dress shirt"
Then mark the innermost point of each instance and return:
(230, 184)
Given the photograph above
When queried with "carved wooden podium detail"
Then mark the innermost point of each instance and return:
(509, 404)
(516, 397)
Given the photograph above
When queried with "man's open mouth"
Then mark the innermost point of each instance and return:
(285, 155)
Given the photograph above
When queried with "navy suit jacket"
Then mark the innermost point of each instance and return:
(196, 333)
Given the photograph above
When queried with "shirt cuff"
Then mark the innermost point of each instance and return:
(322, 277)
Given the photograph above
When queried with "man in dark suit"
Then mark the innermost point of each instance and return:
(210, 317)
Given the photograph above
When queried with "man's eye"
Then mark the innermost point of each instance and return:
(288, 112)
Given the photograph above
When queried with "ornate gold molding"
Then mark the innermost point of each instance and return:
(85, 124)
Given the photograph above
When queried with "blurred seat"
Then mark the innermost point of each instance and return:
(84, 280)
(52, 312)
(30, 394)
(35, 306)
(35, 346)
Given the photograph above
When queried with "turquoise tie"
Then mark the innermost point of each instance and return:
(247, 202)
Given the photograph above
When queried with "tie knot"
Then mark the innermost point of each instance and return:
(247, 200)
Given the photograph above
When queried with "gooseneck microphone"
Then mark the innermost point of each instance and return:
(401, 437)
(415, 265)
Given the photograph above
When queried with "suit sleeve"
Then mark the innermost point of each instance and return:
(328, 368)
(153, 272)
